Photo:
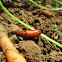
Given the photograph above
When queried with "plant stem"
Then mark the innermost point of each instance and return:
(51, 40)
(44, 7)
(15, 17)
(57, 1)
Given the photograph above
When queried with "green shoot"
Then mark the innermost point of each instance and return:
(55, 29)
(20, 37)
(39, 2)
(57, 3)
(44, 7)
(51, 40)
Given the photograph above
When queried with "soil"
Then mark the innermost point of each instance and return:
(35, 49)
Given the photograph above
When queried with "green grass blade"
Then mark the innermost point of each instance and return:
(44, 7)
(51, 40)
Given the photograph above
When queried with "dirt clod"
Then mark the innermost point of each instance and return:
(29, 50)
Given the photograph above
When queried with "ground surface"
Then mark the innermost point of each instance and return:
(33, 49)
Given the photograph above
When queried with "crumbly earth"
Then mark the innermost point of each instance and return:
(33, 49)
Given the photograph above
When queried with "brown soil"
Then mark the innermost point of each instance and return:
(33, 49)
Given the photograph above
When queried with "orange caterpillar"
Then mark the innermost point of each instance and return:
(29, 33)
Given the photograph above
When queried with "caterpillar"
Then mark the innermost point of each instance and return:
(29, 33)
